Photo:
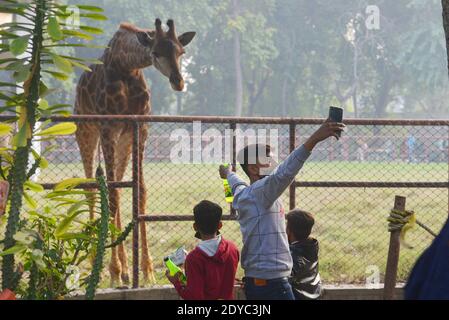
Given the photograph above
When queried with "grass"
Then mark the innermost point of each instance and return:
(350, 223)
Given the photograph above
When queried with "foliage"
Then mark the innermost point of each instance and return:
(31, 45)
(54, 249)
(295, 58)
(102, 236)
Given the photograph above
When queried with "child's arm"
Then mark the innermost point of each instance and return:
(194, 289)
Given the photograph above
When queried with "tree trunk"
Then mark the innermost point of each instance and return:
(237, 65)
(284, 97)
(178, 103)
(356, 80)
(445, 4)
(384, 94)
(256, 92)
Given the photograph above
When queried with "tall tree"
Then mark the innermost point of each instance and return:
(445, 4)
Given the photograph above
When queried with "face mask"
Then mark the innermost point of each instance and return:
(265, 172)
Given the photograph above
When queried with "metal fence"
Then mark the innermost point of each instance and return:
(349, 185)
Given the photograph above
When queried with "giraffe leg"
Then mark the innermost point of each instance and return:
(109, 136)
(125, 147)
(146, 260)
(122, 256)
(87, 137)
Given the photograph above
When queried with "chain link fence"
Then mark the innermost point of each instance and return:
(349, 185)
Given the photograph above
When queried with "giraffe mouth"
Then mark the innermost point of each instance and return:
(177, 84)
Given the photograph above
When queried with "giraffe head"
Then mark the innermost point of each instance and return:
(166, 50)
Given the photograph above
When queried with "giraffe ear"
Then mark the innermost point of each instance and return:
(185, 38)
(145, 39)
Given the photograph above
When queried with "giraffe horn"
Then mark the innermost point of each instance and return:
(171, 28)
(158, 25)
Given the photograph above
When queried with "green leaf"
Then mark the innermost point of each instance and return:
(13, 250)
(54, 29)
(30, 201)
(77, 34)
(7, 84)
(63, 113)
(43, 163)
(94, 16)
(22, 74)
(91, 30)
(43, 104)
(43, 89)
(60, 106)
(90, 8)
(5, 9)
(36, 187)
(65, 224)
(75, 208)
(7, 35)
(81, 66)
(55, 194)
(76, 45)
(62, 64)
(4, 129)
(20, 139)
(7, 61)
(5, 97)
(16, 66)
(19, 45)
(57, 75)
(64, 128)
(72, 183)
(71, 236)
(84, 60)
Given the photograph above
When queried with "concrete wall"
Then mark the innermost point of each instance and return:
(169, 293)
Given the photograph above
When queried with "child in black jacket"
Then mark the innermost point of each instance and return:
(305, 277)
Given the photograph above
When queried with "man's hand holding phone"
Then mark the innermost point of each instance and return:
(332, 127)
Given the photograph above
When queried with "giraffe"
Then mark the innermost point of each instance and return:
(118, 87)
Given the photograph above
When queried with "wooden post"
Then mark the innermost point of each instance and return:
(393, 254)
(292, 146)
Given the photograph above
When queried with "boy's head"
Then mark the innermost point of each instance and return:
(255, 160)
(207, 217)
(299, 225)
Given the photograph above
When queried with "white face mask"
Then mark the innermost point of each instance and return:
(264, 172)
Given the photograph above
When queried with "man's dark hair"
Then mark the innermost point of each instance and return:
(207, 217)
(250, 155)
(300, 223)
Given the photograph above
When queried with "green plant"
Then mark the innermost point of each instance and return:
(31, 44)
(102, 235)
(55, 250)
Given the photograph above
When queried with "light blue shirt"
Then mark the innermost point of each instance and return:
(265, 253)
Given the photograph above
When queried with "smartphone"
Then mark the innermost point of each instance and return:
(336, 115)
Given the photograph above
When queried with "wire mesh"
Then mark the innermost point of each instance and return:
(350, 221)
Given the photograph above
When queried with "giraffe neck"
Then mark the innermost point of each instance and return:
(126, 53)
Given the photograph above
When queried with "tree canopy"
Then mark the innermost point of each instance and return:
(296, 57)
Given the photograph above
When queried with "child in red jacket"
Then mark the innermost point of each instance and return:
(211, 267)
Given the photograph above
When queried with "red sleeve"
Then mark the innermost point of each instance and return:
(194, 289)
